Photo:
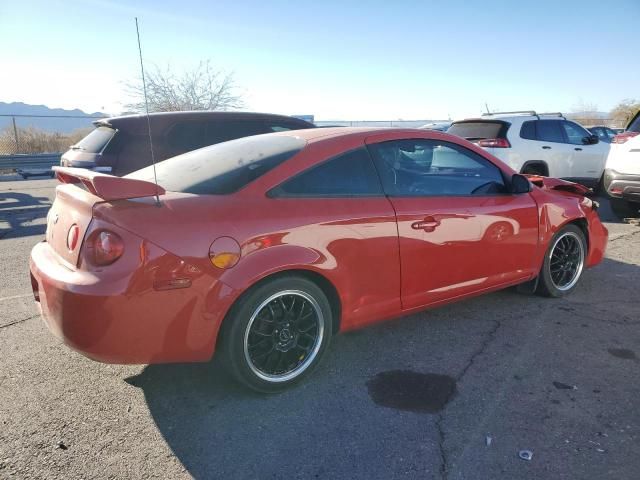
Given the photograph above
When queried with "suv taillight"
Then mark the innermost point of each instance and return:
(494, 143)
(103, 248)
(623, 137)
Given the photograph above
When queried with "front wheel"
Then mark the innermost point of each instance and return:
(277, 333)
(563, 262)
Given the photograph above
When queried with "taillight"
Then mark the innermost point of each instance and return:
(623, 137)
(494, 143)
(104, 247)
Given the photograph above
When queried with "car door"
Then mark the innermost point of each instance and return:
(553, 148)
(459, 231)
(338, 209)
(587, 163)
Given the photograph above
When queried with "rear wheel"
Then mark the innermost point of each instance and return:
(563, 262)
(278, 333)
(623, 208)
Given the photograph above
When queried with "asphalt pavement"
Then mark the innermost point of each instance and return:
(456, 392)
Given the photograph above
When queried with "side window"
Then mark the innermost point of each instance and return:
(528, 130)
(575, 133)
(223, 131)
(432, 168)
(549, 131)
(277, 126)
(351, 174)
(187, 136)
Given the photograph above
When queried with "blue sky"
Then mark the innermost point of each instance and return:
(335, 59)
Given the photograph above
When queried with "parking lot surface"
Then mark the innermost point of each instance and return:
(456, 392)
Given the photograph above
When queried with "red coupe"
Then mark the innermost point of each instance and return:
(262, 248)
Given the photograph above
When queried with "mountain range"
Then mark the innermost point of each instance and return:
(44, 118)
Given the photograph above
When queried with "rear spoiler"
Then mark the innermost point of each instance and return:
(108, 187)
(551, 183)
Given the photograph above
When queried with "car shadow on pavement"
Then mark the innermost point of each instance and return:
(328, 426)
(21, 214)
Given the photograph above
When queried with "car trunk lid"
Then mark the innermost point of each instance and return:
(72, 209)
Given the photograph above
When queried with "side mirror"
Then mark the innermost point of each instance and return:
(591, 140)
(520, 184)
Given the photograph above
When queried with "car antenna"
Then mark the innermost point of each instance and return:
(146, 106)
(486, 105)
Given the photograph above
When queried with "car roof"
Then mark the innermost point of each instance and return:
(319, 134)
(515, 116)
(171, 117)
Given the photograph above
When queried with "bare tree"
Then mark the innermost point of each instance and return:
(202, 88)
(586, 113)
(624, 111)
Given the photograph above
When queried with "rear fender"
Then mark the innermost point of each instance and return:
(261, 263)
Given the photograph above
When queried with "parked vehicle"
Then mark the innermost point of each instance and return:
(544, 144)
(261, 248)
(439, 126)
(120, 145)
(622, 173)
(605, 134)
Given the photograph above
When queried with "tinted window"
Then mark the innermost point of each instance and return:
(223, 168)
(188, 136)
(428, 167)
(575, 133)
(549, 131)
(350, 174)
(528, 130)
(477, 130)
(282, 126)
(96, 140)
(224, 131)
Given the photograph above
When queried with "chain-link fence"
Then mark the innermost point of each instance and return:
(32, 134)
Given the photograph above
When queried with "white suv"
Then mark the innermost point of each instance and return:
(622, 173)
(543, 144)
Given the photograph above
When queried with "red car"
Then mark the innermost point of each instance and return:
(262, 248)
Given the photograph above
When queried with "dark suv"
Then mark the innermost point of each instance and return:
(120, 145)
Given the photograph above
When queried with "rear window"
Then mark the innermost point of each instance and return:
(478, 130)
(223, 168)
(96, 140)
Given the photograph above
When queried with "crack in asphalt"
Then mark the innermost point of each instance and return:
(19, 321)
(624, 235)
(489, 337)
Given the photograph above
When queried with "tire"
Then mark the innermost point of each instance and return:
(267, 349)
(561, 271)
(623, 208)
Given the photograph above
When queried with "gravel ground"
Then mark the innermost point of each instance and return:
(482, 380)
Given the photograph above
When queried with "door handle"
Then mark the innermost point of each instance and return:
(546, 147)
(428, 224)
(578, 149)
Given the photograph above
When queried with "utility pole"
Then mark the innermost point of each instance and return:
(15, 134)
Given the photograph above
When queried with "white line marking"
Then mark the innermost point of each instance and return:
(2, 299)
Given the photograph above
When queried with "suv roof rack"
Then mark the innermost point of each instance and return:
(527, 112)
(553, 114)
(533, 113)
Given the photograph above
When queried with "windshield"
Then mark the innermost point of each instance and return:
(223, 168)
(96, 140)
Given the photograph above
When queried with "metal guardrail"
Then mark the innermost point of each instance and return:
(30, 164)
